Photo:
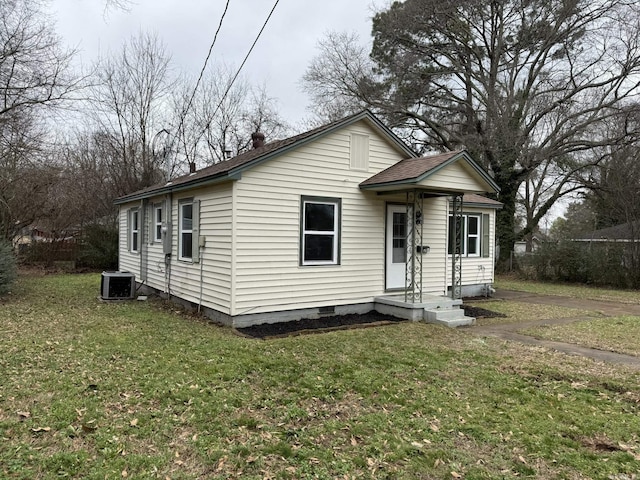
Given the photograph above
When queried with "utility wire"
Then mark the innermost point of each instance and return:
(202, 70)
(241, 65)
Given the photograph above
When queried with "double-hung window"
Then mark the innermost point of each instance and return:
(469, 235)
(320, 231)
(157, 223)
(134, 230)
(185, 246)
(188, 224)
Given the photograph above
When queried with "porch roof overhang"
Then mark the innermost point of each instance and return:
(437, 175)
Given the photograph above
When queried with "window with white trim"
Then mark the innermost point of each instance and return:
(320, 231)
(134, 230)
(157, 223)
(469, 235)
(185, 238)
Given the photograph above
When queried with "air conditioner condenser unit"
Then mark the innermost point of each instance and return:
(117, 286)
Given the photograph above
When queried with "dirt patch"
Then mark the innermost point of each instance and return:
(316, 325)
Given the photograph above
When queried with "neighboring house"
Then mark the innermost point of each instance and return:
(624, 233)
(341, 219)
(33, 234)
(520, 247)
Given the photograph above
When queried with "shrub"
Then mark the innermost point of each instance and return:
(7, 266)
(99, 248)
(597, 263)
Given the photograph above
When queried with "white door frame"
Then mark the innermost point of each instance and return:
(395, 268)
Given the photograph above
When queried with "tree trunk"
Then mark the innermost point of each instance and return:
(505, 225)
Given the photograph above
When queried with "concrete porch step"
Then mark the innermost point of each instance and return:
(451, 317)
(432, 309)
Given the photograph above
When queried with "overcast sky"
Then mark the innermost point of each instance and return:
(187, 28)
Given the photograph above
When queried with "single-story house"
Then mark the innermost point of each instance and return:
(623, 233)
(344, 218)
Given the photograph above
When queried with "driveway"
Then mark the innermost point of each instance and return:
(608, 309)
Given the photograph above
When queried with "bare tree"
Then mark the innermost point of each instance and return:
(25, 176)
(520, 83)
(34, 68)
(130, 103)
(221, 118)
(35, 79)
(336, 79)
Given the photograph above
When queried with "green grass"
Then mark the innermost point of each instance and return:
(134, 390)
(615, 334)
(568, 290)
(519, 312)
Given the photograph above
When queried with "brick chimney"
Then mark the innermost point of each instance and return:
(257, 139)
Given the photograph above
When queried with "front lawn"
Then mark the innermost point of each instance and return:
(615, 334)
(135, 390)
(568, 290)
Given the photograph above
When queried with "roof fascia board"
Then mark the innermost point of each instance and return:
(201, 182)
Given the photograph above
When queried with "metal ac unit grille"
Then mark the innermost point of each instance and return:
(117, 285)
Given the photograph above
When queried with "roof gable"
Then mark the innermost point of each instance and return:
(624, 231)
(232, 169)
(433, 172)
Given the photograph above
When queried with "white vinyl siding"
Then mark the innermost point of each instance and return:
(457, 175)
(268, 274)
(216, 225)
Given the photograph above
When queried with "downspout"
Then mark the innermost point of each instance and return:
(167, 251)
(201, 249)
(144, 237)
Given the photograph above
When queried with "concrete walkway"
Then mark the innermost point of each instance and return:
(606, 308)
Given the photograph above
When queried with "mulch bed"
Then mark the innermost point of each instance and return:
(478, 312)
(339, 322)
(318, 325)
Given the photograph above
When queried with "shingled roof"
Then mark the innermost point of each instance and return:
(480, 200)
(625, 231)
(411, 171)
(232, 169)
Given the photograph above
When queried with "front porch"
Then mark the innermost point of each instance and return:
(431, 309)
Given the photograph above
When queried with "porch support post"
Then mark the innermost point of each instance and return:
(456, 254)
(413, 267)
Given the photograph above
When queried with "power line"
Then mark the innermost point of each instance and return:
(243, 63)
(228, 89)
(202, 70)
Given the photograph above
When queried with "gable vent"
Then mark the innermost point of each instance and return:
(359, 152)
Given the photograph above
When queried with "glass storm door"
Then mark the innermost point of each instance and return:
(396, 246)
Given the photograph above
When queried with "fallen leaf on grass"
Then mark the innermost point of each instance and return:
(134, 422)
(41, 429)
(456, 475)
(90, 426)
(24, 415)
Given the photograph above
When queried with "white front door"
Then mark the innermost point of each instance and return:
(396, 246)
